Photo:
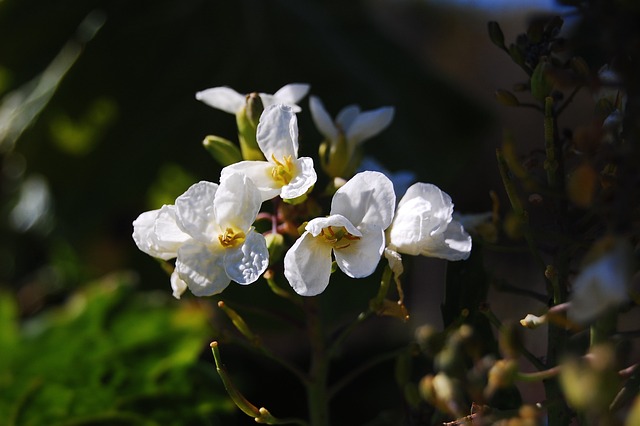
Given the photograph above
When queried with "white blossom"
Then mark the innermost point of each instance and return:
(283, 173)
(210, 232)
(228, 100)
(424, 225)
(354, 232)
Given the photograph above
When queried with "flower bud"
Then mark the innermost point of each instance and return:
(429, 340)
(254, 108)
(541, 82)
(222, 150)
(501, 375)
(334, 157)
(247, 126)
(591, 386)
(275, 246)
(442, 392)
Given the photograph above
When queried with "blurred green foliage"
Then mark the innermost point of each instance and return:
(110, 355)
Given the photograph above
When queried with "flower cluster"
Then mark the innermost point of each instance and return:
(210, 230)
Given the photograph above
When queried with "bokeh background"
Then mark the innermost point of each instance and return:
(99, 122)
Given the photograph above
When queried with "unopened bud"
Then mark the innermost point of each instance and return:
(501, 375)
(222, 150)
(532, 321)
(429, 339)
(254, 108)
(275, 246)
(334, 157)
(541, 82)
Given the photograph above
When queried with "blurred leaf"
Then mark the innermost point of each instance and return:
(110, 355)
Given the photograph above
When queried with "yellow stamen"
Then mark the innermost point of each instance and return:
(231, 238)
(283, 171)
(338, 237)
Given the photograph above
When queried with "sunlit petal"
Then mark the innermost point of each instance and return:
(201, 268)
(307, 265)
(322, 119)
(277, 132)
(361, 257)
(222, 98)
(237, 202)
(246, 263)
(304, 179)
(368, 197)
(369, 124)
(260, 174)
(195, 213)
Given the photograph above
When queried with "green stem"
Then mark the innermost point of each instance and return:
(317, 392)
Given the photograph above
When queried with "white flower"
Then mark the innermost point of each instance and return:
(228, 100)
(602, 284)
(342, 137)
(354, 232)
(424, 225)
(352, 124)
(210, 232)
(283, 173)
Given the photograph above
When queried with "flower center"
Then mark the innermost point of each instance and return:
(282, 172)
(231, 238)
(338, 236)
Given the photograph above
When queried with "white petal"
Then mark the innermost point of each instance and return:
(315, 226)
(223, 98)
(291, 94)
(260, 174)
(177, 285)
(307, 265)
(304, 179)
(422, 213)
(369, 124)
(237, 202)
(156, 233)
(361, 257)
(202, 268)
(277, 132)
(246, 263)
(195, 213)
(367, 197)
(430, 198)
(322, 119)
(347, 116)
(452, 244)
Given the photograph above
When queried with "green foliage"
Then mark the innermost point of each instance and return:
(109, 355)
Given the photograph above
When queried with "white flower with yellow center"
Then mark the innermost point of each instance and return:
(210, 231)
(228, 100)
(424, 225)
(354, 232)
(283, 173)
